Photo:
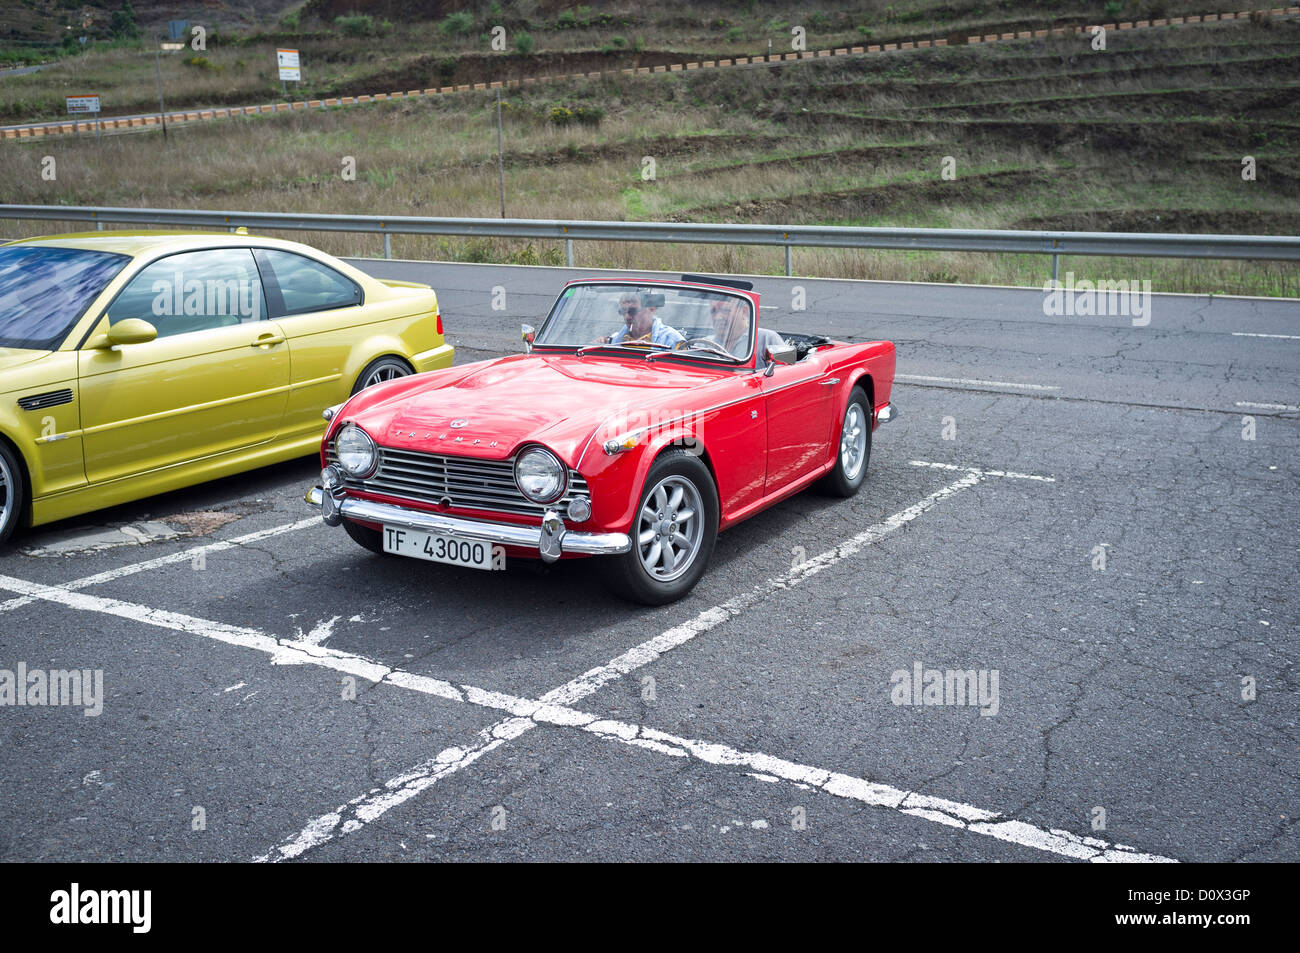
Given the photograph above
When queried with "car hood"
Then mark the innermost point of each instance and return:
(11, 357)
(490, 408)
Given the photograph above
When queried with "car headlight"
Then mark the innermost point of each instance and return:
(540, 476)
(356, 452)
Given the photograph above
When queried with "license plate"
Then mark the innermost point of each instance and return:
(438, 549)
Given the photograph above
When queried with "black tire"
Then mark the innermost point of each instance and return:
(371, 539)
(850, 472)
(381, 369)
(631, 575)
(13, 492)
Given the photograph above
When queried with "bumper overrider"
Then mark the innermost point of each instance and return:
(887, 414)
(551, 539)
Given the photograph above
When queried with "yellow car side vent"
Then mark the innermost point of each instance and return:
(41, 401)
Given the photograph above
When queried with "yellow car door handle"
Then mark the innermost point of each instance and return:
(267, 339)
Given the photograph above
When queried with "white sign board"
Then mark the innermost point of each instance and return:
(82, 104)
(287, 60)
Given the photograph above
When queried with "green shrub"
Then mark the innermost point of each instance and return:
(459, 23)
(355, 24)
(735, 33)
(291, 20)
(1114, 8)
(866, 31)
(561, 115)
(588, 115)
(523, 42)
(123, 23)
(202, 63)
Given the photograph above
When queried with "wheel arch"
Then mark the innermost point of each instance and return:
(24, 517)
(864, 380)
(390, 349)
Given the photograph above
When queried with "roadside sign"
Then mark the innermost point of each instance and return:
(176, 29)
(82, 104)
(287, 60)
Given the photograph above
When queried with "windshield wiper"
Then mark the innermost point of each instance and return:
(618, 344)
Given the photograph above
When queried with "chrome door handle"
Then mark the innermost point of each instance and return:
(832, 381)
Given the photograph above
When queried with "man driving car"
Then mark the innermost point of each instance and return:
(641, 324)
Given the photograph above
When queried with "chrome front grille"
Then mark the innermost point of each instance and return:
(461, 482)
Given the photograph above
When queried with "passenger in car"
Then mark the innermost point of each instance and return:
(731, 329)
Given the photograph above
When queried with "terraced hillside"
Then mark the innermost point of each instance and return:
(1149, 134)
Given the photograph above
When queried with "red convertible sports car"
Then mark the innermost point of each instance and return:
(645, 417)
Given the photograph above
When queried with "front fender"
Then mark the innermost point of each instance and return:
(616, 481)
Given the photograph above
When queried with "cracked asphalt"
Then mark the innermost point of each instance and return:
(1124, 692)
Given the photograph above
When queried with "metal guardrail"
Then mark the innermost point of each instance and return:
(1119, 244)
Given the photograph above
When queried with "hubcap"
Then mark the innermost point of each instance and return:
(384, 372)
(670, 528)
(853, 441)
(8, 505)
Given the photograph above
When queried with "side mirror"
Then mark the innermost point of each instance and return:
(781, 354)
(529, 335)
(130, 331)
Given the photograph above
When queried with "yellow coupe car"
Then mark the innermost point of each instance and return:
(133, 363)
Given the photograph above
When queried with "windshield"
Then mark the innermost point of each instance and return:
(708, 324)
(44, 291)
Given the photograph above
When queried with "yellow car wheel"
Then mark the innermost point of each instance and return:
(379, 370)
(12, 492)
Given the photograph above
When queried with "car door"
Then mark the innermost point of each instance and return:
(215, 380)
(798, 409)
(320, 311)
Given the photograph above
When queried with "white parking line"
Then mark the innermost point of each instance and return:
(186, 555)
(554, 709)
(1250, 334)
(920, 378)
(528, 713)
(1009, 474)
(365, 808)
(368, 807)
(1255, 406)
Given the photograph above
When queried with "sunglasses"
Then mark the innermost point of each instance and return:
(630, 310)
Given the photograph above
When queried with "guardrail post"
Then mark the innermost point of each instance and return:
(789, 265)
(568, 252)
(99, 226)
(1056, 260)
(388, 245)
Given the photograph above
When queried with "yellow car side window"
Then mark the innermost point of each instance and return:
(194, 291)
(303, 285)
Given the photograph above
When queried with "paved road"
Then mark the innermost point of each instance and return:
(761, 726)
(1195, 352)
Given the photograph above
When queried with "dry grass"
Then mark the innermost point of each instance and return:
(768, 145)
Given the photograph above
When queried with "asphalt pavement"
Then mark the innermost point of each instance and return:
(1096, 519)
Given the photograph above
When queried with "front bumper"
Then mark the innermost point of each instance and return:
(551, 539)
